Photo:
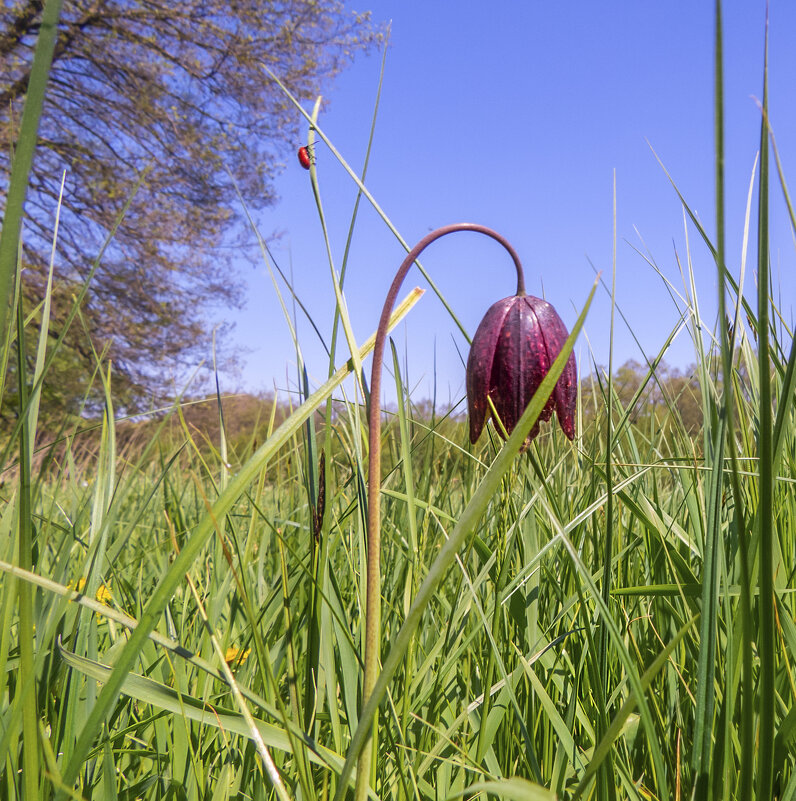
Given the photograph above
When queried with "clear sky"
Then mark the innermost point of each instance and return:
(517, 115)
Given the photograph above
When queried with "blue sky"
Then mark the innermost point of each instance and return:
(517, 118)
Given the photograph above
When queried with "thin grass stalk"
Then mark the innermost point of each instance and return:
(318, 543)
(366, 193)
(339, 284)
(607, 778)
(341, 309)
(716, 427)
(747, 307)
(73, 312)
(312, 478)
(27, 676)
(789, 377)
(354, 213)
(766, 636)
(44, 328)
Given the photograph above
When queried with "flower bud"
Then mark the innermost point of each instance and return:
(513, 348)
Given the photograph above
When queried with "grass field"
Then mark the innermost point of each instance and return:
(609, 618)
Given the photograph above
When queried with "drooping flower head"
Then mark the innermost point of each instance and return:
(513, 348)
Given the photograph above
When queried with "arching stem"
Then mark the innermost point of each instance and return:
(373, 589)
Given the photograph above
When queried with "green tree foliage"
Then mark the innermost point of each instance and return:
(174, 90)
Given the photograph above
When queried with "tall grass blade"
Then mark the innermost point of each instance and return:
(26, 697)
(766, 636)
(193, 547)
(25, 148)
(464, 527)
(606, 779)
(369, 196)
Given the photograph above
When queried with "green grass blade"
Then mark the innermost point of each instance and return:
(370, 198)
(350, 236)
(25, 148)
(766, 634)
(26, 696)
(465, 526)
(614, 730)
(514, 789)
(153, 692)
(194, 546)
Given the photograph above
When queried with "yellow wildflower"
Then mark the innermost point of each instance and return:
(104, 594)
(235, 654)
(103, 591)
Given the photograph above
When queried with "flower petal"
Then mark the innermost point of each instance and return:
(565, 392)
(479, 364)
(514, 365)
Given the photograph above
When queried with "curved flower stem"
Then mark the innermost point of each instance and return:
(373, 589)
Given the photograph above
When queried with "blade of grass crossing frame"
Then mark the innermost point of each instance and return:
(25, 147)
(194, 545)
(341, 308)
(26, 695)
(447, 553)
(766, 641)
(349, 238)
(370, 198)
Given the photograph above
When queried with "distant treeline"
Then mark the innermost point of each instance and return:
(671, 397)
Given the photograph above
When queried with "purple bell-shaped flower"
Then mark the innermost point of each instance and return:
(513, 348)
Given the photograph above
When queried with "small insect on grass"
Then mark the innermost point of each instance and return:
(306, 156)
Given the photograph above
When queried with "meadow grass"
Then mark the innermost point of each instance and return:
(611, 618)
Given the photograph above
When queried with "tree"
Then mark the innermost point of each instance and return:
(672, 392)
(174, 91)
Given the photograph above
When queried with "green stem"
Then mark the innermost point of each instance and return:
(373, 579)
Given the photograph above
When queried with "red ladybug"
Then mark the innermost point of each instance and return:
(305, 156)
